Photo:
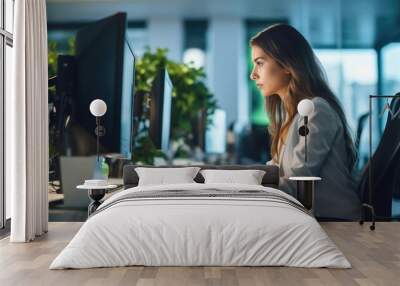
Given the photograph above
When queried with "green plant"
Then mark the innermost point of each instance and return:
(52, 60)
(190, 97)
(52, 71)
(53, 54)
(145, 150)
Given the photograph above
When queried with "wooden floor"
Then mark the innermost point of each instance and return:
(375, 257)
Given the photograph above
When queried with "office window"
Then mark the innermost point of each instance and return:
(352, 76)
(390, 68)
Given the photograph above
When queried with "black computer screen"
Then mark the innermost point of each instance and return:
(105, 69)
(160, 110)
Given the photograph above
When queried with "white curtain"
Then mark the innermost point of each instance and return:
(27, 123)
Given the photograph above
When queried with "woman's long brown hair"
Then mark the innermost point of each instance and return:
(290, 49)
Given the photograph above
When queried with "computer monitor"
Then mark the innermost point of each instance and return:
(105, 69)
(160, 110)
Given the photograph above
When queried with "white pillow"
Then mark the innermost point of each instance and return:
(249, 177)
(163, 176)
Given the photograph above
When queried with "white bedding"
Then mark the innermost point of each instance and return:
(200, 231)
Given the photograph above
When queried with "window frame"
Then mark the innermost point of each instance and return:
(6, 39)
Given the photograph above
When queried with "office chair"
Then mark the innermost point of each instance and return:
(386, 161)
(362, 120)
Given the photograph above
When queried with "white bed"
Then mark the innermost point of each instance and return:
(207, 230)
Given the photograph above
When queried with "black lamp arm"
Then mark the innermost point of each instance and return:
(303, 131)
(97, 135)
(99, 131)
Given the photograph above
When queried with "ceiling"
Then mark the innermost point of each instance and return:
(359, 22)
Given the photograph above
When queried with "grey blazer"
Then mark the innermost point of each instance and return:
(336, 195)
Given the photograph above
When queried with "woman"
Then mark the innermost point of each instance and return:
(287, 71)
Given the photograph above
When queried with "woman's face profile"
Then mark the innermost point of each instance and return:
(269, 76)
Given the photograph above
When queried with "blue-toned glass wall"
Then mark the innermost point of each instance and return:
(352, 76)
(391, 68)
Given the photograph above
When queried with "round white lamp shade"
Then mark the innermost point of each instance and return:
(194, 57)
(98, 107)
(305, 107)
